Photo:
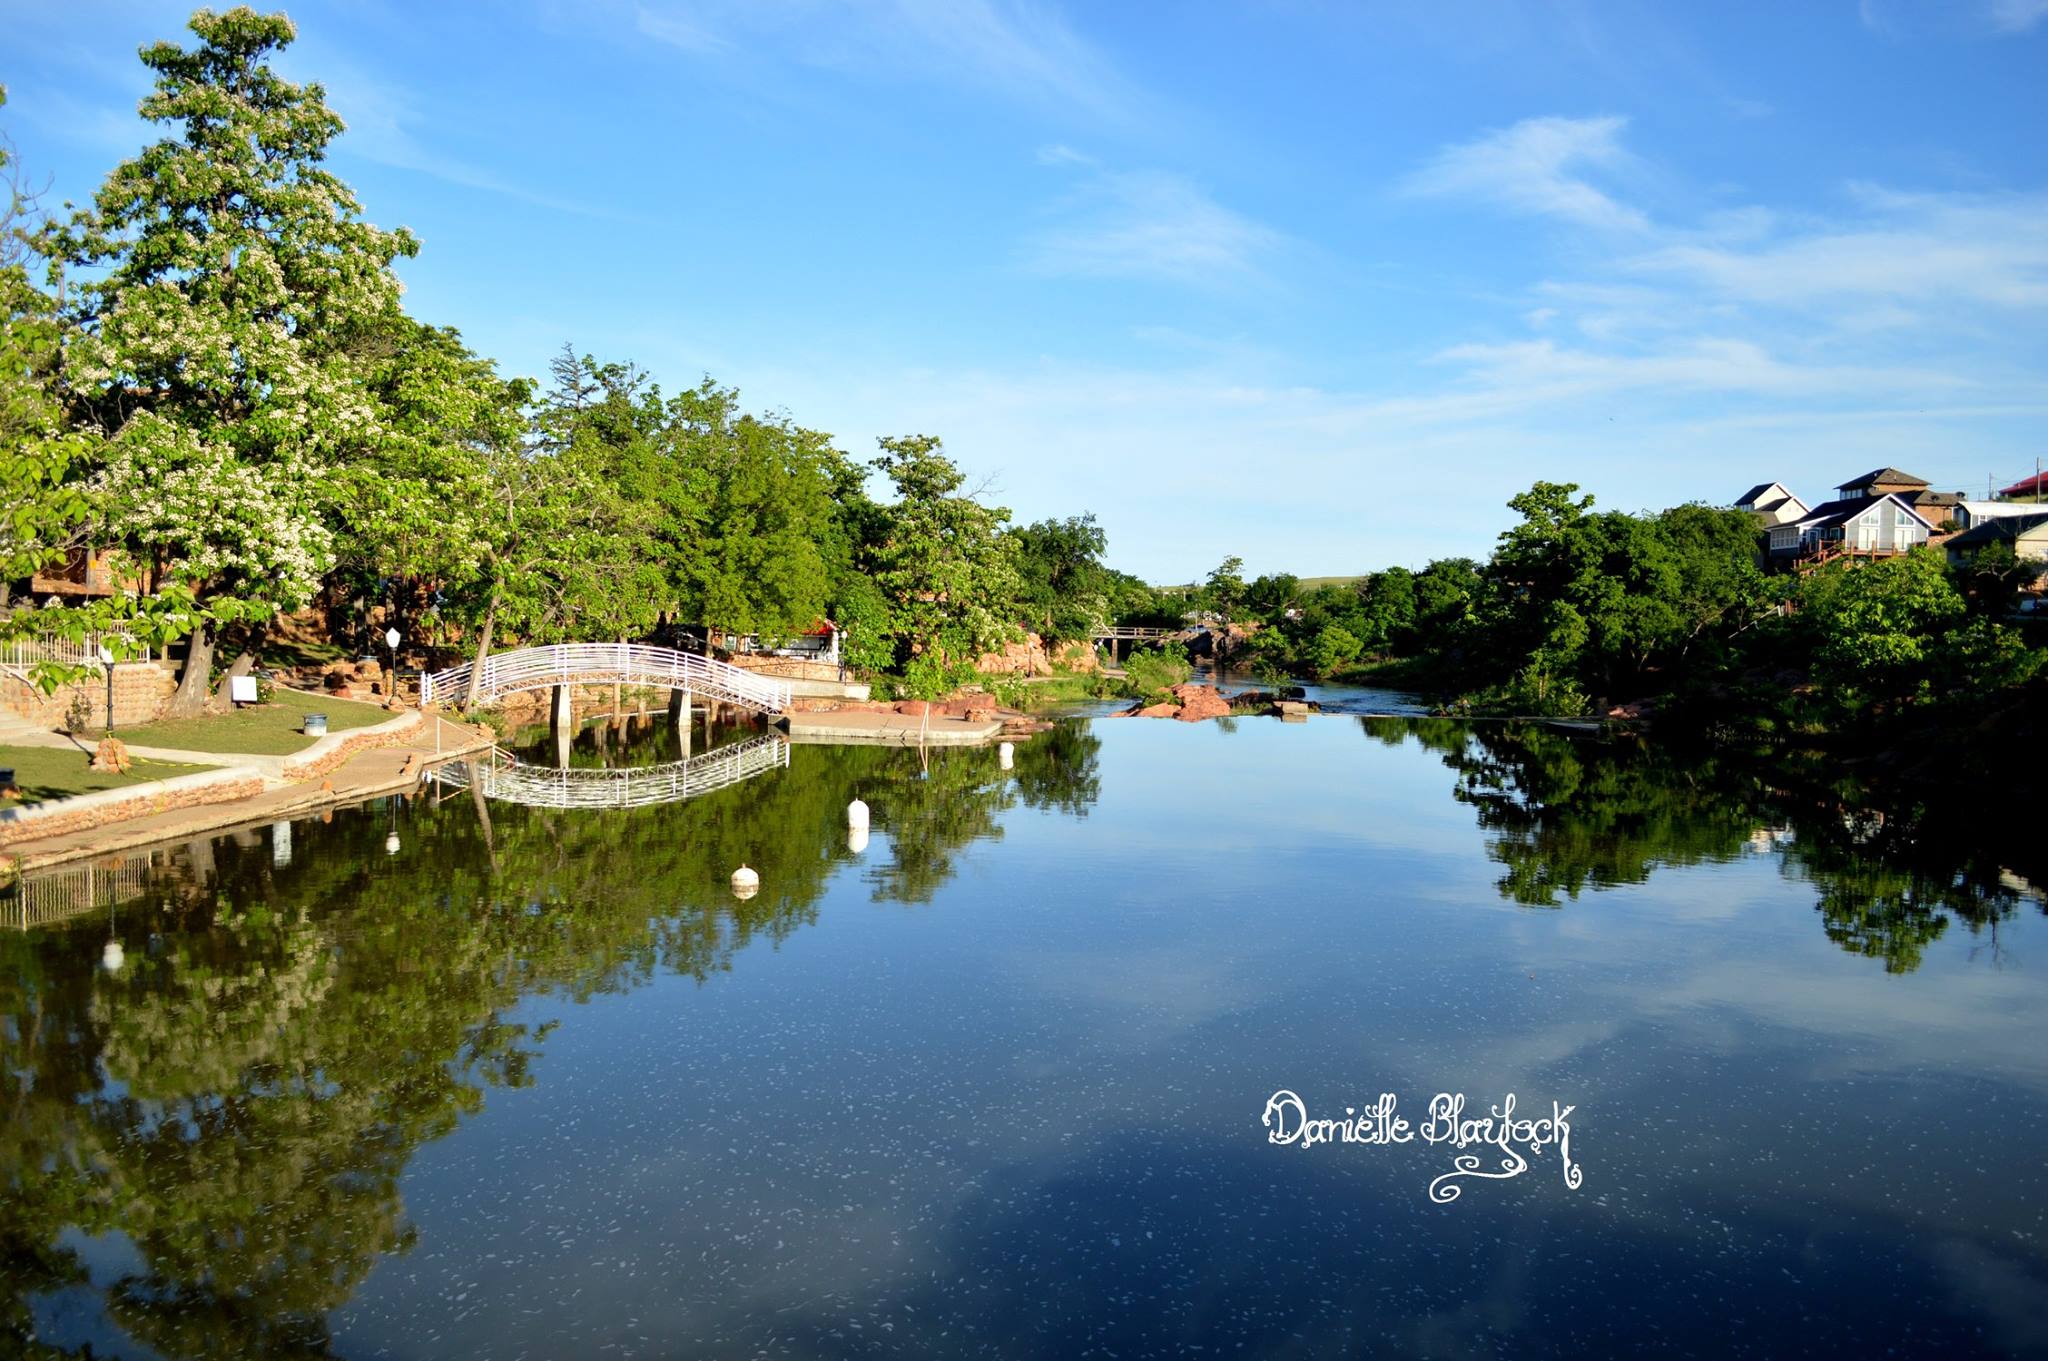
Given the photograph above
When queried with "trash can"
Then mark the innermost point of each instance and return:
(316, 725)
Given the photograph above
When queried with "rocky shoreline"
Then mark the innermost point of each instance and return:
(1193, 703)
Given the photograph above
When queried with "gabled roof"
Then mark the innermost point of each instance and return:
(1830, 513)
(2005, 529)
(1888, 476)
(1748, 498)
(1766, 507)
(2027, 486)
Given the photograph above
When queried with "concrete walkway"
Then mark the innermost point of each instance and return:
(380, 770)
(904, 730)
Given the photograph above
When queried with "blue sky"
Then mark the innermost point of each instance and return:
(1318, 284)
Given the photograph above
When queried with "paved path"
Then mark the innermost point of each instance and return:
(845, 725)
(380, 770)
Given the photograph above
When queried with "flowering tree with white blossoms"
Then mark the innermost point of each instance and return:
(223, 280)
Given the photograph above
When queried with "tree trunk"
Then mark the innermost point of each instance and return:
(242, 665)
(194, 686)
(483, 650)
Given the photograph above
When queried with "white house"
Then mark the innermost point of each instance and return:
(1881, 526)
(1772, 504)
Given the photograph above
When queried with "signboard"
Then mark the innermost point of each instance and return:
(242, 689)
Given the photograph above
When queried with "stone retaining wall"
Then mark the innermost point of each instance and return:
(83, 812)
(331, 750)
(140, 689)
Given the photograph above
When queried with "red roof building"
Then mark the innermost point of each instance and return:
(2029, 487)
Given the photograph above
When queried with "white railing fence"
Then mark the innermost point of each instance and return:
(21, 653)
(535, 668)
(511, 781)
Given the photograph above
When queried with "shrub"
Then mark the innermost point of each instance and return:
(1154, 672)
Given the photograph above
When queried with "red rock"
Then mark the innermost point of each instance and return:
(1157, 711)
(1198, 702)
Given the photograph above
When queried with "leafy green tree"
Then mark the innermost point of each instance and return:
(412, 516)
(1224, 591)
(1878, 626)
(1335, 648)
(1270, 597)
(1389, 611)
(1060, 577)
(946, 567)
(221, 278)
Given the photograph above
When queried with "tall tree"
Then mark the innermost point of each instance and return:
(223, 274)
(946, 566)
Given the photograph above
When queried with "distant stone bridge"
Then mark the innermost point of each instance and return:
(572, 664)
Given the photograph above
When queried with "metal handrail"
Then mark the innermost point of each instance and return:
(512, 781)
(538, 668)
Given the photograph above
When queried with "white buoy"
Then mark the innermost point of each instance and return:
(745, 883)
(391, 844)
(857, 838)
(113, 957)
(857, 814)
(1006, 756)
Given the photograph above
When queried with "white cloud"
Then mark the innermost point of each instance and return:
(1020, 49)
(1538, 167)
(2017, 16)
(1950, 248)
(1149, 224)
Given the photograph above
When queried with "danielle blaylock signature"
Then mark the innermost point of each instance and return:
(1287, 1121)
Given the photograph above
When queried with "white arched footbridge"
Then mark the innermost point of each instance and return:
(511, 781)
(540, 668)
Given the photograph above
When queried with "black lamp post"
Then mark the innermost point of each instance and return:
(107, 665)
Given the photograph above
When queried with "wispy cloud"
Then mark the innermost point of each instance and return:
(382, 123)
(1538, 166)
(1148, 224)
(2017, 16)
(1019, 49)
(1952, 248)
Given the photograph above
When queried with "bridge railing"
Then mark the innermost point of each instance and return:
(512, 781)
(535, 668)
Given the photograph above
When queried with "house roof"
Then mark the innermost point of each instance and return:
(1987, 510)
(1890, 477)
(1748, 498)
(1830, 513)
(2027, 486)
(1776, 501)
(2004, 529)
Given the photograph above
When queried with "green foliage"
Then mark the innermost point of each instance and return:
(1151, 672)
(943, 563)
(1062, 585)
(1336, 647)
(1224, 591)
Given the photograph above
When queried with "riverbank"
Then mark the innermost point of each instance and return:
(243, 789)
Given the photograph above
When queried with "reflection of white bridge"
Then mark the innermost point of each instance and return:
(567, 664)
(510, 781)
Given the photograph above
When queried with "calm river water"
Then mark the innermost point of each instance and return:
(460, 1077)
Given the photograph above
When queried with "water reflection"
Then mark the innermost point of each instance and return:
(226, 1118)
(210, 1150)
(1566, 811)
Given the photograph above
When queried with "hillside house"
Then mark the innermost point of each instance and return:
(1970, 514)
(1860, 526)
(1772, 503)
(2026, 535)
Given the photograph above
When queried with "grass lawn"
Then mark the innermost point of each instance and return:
(45, 773)
(263, 729)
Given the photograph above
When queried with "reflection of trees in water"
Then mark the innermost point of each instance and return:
(1568, 811)
(241, 1099)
